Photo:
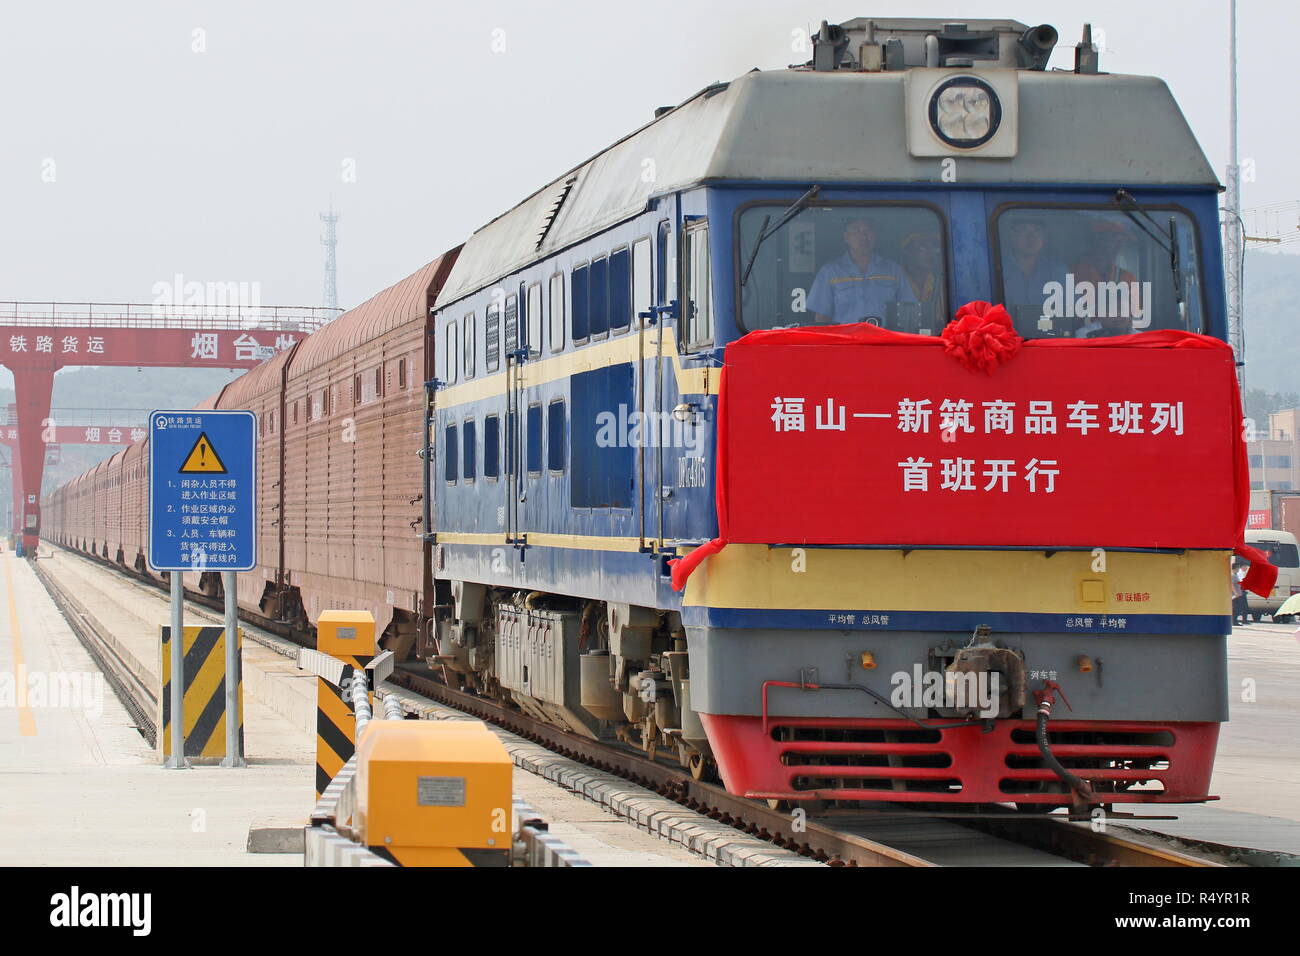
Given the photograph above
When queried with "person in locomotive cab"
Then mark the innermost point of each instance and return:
(1100, 266)
(859, 285)
(1027, 275)
(921, 265)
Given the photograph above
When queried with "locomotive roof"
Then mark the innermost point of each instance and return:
(805, 126)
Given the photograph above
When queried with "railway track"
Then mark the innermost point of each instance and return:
(839, 837)
(133, 689)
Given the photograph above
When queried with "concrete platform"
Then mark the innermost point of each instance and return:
(1257, 768)
(79, 785)
(129, 793)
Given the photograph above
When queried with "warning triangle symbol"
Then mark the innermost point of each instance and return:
(203, 458)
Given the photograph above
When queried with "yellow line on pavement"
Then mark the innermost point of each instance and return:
(26, 719)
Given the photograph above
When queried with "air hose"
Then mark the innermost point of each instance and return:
(1046, 698)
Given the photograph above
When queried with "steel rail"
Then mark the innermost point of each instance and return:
(811, 836)
(139, 699)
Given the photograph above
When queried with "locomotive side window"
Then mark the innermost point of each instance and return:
(555, 435)
(492, 447)
(471, 339)
(833, 264)
(665, 269)
(1089, 272)
(620, 290)
(534, 425)
(512, 323)
(492, 335)
(598, 299)
(450, 453)
(469, 464)
(642, 280)
(534, 313)
(699, 287)
(451, 357)
(578, 296)
(557, 312)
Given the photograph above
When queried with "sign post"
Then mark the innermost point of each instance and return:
(202, 516)
(234, 756)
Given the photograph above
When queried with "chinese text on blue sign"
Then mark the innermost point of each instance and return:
(202, 491)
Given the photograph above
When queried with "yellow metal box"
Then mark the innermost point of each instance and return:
(434, 793)
(345, 634)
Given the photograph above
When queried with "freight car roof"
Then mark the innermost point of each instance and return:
(839, 127)
(257, 381)
(396, 305)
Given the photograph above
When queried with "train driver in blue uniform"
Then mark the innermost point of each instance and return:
(860, 284)
(1027, 271)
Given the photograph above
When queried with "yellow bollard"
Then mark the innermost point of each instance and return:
(348, 636)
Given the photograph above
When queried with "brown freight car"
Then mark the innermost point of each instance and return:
(135, 525)
(340, 425)
(354, 422)
(261, 391)
(113, 489)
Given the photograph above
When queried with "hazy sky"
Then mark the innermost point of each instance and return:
(215, 164)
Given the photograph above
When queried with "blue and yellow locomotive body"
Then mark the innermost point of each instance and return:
(578, 356)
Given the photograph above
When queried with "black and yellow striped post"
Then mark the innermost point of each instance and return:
(349, 637)
(204, 712)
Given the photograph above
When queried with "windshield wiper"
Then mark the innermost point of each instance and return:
(765, 232)
(1176, 265)
(1123, 196)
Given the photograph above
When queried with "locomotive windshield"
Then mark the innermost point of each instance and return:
(845, 263)
(1092, 272)
(1061, 271)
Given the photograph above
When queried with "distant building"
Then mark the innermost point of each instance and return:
(1275, 474)
(1275, 457)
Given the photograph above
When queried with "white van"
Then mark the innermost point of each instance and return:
(1280, 546)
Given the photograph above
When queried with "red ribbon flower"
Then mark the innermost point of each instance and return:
(981, 337)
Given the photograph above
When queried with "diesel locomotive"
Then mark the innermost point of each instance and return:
(639, 509)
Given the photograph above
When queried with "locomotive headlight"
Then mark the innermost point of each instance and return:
(965, 112)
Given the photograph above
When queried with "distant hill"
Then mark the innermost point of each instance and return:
(114, 388)
(1272, 307)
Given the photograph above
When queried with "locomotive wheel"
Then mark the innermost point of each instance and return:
(697, 765)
